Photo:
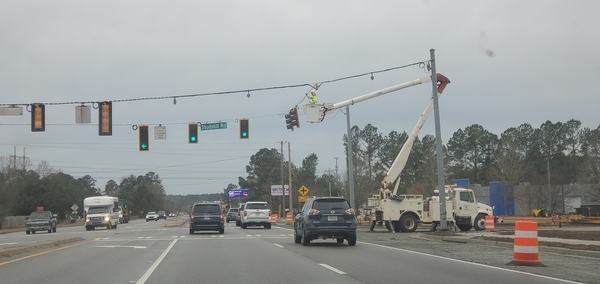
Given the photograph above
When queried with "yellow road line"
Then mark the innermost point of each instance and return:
(44, 252)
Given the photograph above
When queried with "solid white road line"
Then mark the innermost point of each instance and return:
(155, 264)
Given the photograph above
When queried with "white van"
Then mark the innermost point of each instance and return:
(101, 211)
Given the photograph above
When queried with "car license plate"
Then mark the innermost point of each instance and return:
(206, 218)
(331, 218)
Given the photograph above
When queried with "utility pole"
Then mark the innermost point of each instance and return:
(350, 155)
(329, 182)
(282, 207)
(336, 169)
(290, 174)
(438, 144)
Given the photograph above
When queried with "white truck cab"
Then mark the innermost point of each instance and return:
(101, 211)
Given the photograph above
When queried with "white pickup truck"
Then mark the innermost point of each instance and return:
(256, 213)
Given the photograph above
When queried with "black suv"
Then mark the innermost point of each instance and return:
(206, 217)
(325, 218)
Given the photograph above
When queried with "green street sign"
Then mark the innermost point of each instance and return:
(213, 126)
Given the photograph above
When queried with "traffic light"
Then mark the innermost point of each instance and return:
(105, 119)
(38, 120)
(144, 144)
(193, 133)
(244, 128)
(291, 119)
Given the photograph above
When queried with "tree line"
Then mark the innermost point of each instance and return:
(24, 190)
(554, 153)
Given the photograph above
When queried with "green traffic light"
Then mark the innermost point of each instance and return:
(244, 134)
(144, 146)
(193, 139)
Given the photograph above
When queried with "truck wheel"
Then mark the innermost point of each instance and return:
(479, 224)
(49, 231)
(27, 232)
(268, 226)
(115, 226)
(340, 240)
(33, 232)
(408, 223)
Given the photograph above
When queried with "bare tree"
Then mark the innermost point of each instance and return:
(44, 169)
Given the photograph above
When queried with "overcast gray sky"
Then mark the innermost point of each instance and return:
(510, 62)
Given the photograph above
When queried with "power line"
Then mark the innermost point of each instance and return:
(421, 64)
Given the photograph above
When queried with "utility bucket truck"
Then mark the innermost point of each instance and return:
(405, 212)
(101, 211)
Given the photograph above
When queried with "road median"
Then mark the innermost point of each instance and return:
(12, 251)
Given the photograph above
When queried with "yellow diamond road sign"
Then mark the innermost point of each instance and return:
(303, 190)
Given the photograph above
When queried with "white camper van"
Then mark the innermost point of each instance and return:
(101, 211)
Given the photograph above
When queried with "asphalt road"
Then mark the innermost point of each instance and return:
(150, 252)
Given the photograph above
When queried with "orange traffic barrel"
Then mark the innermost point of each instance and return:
(274, 219)
(526, 243)
(489, 223)
(288, 218)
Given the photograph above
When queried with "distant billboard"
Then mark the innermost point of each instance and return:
(237, 193)
(277, 191)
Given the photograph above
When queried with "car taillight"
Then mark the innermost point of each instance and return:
(245, 213)
(191, 217)
(221, 217)
(350, 211)
(313, 212)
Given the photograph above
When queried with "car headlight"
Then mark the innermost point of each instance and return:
(87, 219)
(106, 218)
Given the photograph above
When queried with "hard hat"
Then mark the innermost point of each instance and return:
(313, 92)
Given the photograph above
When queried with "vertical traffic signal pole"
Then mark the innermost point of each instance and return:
(38, 117)
(193, 133)
(244, 128)
(144, 140)
(105, 119)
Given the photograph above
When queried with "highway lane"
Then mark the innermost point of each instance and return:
(141, 252)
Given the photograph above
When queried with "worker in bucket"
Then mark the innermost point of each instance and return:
(313, 97)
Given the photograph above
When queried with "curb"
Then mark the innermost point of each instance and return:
(12, 251)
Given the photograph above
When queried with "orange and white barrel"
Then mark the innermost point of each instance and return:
(288, 218)
(526, 243)
(489, 223)
(274, 219)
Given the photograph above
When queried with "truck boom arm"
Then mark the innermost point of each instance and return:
(387, 90)
(400, 161)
